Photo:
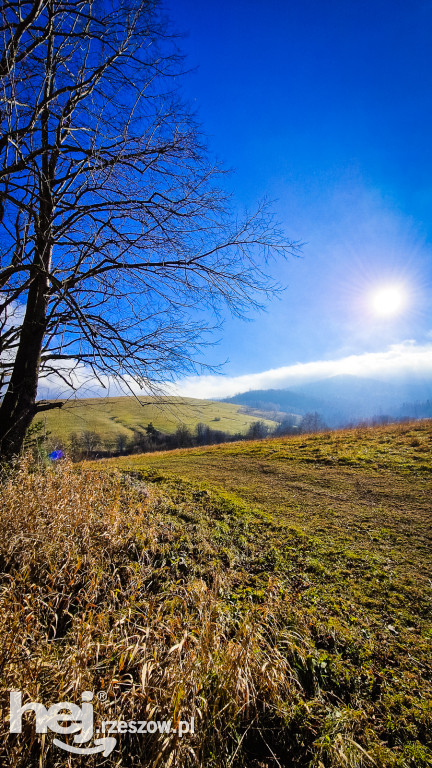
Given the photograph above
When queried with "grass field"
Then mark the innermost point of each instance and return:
(279, 592)
(115, 416)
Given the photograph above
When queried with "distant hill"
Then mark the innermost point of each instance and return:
(277, 401)
(342, 399)
(112, 417)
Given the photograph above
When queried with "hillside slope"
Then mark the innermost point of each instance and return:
(342, 522)
(113, 416)
(278, 592)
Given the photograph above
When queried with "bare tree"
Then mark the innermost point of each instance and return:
(312, 422)
(114, 227)
(257, 430)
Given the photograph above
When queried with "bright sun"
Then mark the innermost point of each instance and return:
(388, 301)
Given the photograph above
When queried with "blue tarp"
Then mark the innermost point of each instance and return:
(55, 455)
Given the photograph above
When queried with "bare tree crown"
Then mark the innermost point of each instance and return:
(114, 224)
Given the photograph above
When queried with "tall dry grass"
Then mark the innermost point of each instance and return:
(147, 594)
(92, 598)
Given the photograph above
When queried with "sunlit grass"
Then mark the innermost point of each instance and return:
(281, 600)
(114, 416)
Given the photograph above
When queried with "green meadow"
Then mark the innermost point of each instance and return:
(278, 592)
(114, 416)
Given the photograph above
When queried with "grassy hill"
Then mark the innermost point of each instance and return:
(278, 592)
(113, 416)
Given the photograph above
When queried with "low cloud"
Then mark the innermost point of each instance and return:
(78, 380)
(406, 359)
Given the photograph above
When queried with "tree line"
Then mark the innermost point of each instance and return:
(89, 444)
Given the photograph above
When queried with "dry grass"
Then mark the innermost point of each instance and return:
(291, 617)
(95, 596)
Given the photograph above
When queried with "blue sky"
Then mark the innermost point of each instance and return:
(325, 107)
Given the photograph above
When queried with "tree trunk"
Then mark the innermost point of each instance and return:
(19, 404)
